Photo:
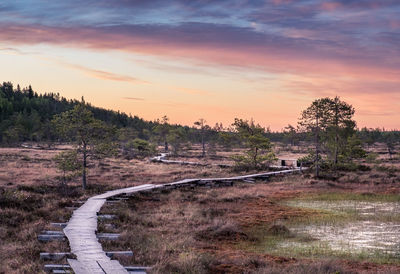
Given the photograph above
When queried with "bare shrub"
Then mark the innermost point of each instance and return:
(222, 230)
(187, 262)
(279, 230)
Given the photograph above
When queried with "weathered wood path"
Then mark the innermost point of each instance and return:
(162, 158)
(81, 233)
(81, 228)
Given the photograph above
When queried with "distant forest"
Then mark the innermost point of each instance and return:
(26, 115)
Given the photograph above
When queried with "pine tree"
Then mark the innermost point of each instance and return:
(340, 123)
(315, 120)
(259, 148)
(92, 137)
(202, 127)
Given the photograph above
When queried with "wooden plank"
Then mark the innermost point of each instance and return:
(119, 199)
(137, 269)
(106, 216)
(112, 202)
(54, 256)
(59, 271)
(112, 266)
(108, 236)
(137, 272)
(48, 238)
(111, 254)
(78, 267)
(51, 267)
(61, 225)
(51, 232)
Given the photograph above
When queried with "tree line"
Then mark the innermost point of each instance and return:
(25, 115)
(96, 132)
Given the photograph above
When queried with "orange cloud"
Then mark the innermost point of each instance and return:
(103, 75)
(133, 98)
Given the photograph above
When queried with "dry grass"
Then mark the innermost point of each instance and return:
(31, 198)
(35, 167)
(24, 212)
(208, 230)
(193, 230)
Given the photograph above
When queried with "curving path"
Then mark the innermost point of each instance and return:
(81, 228)
(162, 158)
(81, 233)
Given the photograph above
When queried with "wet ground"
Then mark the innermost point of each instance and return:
(369, 226)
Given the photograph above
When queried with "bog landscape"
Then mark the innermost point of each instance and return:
(200, 136)
(320, 198)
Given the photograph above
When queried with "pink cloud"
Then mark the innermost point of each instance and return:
(272, 56)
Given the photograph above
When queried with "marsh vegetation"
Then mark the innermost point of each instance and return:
(339, 216)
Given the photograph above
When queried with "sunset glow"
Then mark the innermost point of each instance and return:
(217, 60)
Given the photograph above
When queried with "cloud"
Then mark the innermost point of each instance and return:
(213, 43)
(133, 98)
(12, 50)
(103, 75)
(359, 4)
(15, 51)
(345, 42)
(99, 74)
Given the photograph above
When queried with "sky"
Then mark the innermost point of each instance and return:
(217, 60)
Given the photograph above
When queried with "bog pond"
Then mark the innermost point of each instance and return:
(348, 226)
(368, 226)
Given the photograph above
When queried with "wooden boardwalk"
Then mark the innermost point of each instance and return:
(162, 158)
(81, 228)
(81, 234)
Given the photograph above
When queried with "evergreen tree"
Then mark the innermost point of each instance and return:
(290, 133)
(353, 149)
(92, 137)
(177, 137)
(331, 123)
(203, 127)
(67, 162)
(340, 124)
(162, 128)
(259, 148)
(391, 139)
(315, 119)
